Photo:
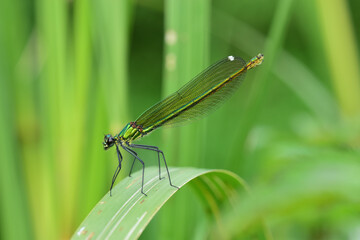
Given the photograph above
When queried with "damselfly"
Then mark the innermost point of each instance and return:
(196, 98)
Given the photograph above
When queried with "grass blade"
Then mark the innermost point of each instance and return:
(322, 182)
(340, 43)
(126, 214)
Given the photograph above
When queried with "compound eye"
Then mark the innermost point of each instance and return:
(107, 137)
(109, 140)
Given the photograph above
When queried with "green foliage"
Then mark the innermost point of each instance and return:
(317, 193)
(72, 71)
(126, 213)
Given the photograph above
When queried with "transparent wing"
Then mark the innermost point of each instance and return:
(192, 99)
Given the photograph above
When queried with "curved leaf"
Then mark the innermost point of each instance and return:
(126, 214)
(321, 183)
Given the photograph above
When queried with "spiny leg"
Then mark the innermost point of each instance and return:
(146, 147)
(114, 178)
(142, 162)
(132, 166)
(115, 174)
(117, 169)
(156, 149)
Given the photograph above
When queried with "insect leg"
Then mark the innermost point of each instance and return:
(132, 165)
(147, 148)
(156, 149)
(142, 162)
(117, 169)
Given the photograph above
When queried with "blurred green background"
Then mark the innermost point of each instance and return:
(72, 71)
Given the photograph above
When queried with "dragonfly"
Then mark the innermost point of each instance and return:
(196, 98)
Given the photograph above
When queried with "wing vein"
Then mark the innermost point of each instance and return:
(202, 94)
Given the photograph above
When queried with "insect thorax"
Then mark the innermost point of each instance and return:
(130, 132)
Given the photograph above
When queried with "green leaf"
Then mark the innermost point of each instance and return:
(126, 214)
(311, 189)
